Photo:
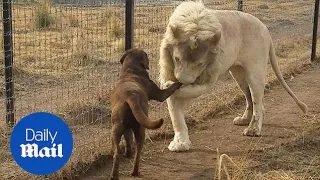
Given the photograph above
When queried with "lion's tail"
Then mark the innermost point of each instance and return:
(276, 69)
(140, 116)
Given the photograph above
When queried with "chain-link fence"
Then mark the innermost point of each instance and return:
(66, 55)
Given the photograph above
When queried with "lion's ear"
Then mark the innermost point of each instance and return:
(175, 31)
(215, 39)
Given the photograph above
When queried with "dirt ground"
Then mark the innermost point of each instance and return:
(284, 123)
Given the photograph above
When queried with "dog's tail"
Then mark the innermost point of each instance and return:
(140, 116)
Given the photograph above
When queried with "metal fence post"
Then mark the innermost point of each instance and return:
(315, 30)
(240, 5)
(8, 61)
(129, 24)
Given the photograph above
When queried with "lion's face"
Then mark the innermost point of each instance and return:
(189, 61)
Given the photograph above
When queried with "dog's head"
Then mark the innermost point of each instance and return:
(135, 58)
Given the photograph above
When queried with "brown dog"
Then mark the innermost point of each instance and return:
(129, 103)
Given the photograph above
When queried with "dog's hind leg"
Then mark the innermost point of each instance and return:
(129, 138)
(117, 132)
(139, 135)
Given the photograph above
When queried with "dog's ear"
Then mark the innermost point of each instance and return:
(124, 56)
(145, 61)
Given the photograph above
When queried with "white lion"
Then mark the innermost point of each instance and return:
(199, 46)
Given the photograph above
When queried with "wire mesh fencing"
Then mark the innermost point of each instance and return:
(66, 59)
(65, 62)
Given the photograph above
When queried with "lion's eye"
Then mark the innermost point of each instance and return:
(176, 59)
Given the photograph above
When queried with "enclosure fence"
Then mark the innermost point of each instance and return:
(62, 56)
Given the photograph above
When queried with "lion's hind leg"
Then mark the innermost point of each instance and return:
(238, 74)
(256, 80)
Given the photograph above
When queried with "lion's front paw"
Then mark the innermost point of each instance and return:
(239, 121)
(250, 131)
(179, 145)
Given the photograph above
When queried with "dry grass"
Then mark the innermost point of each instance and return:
(43, 18)
(5, 154)
(74, 21)
(287, 48)
(116, 28)
(298, 160)
(65, 38)
(76, 116)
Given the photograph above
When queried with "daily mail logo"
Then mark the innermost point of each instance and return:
(41, 143)
(32, 150)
